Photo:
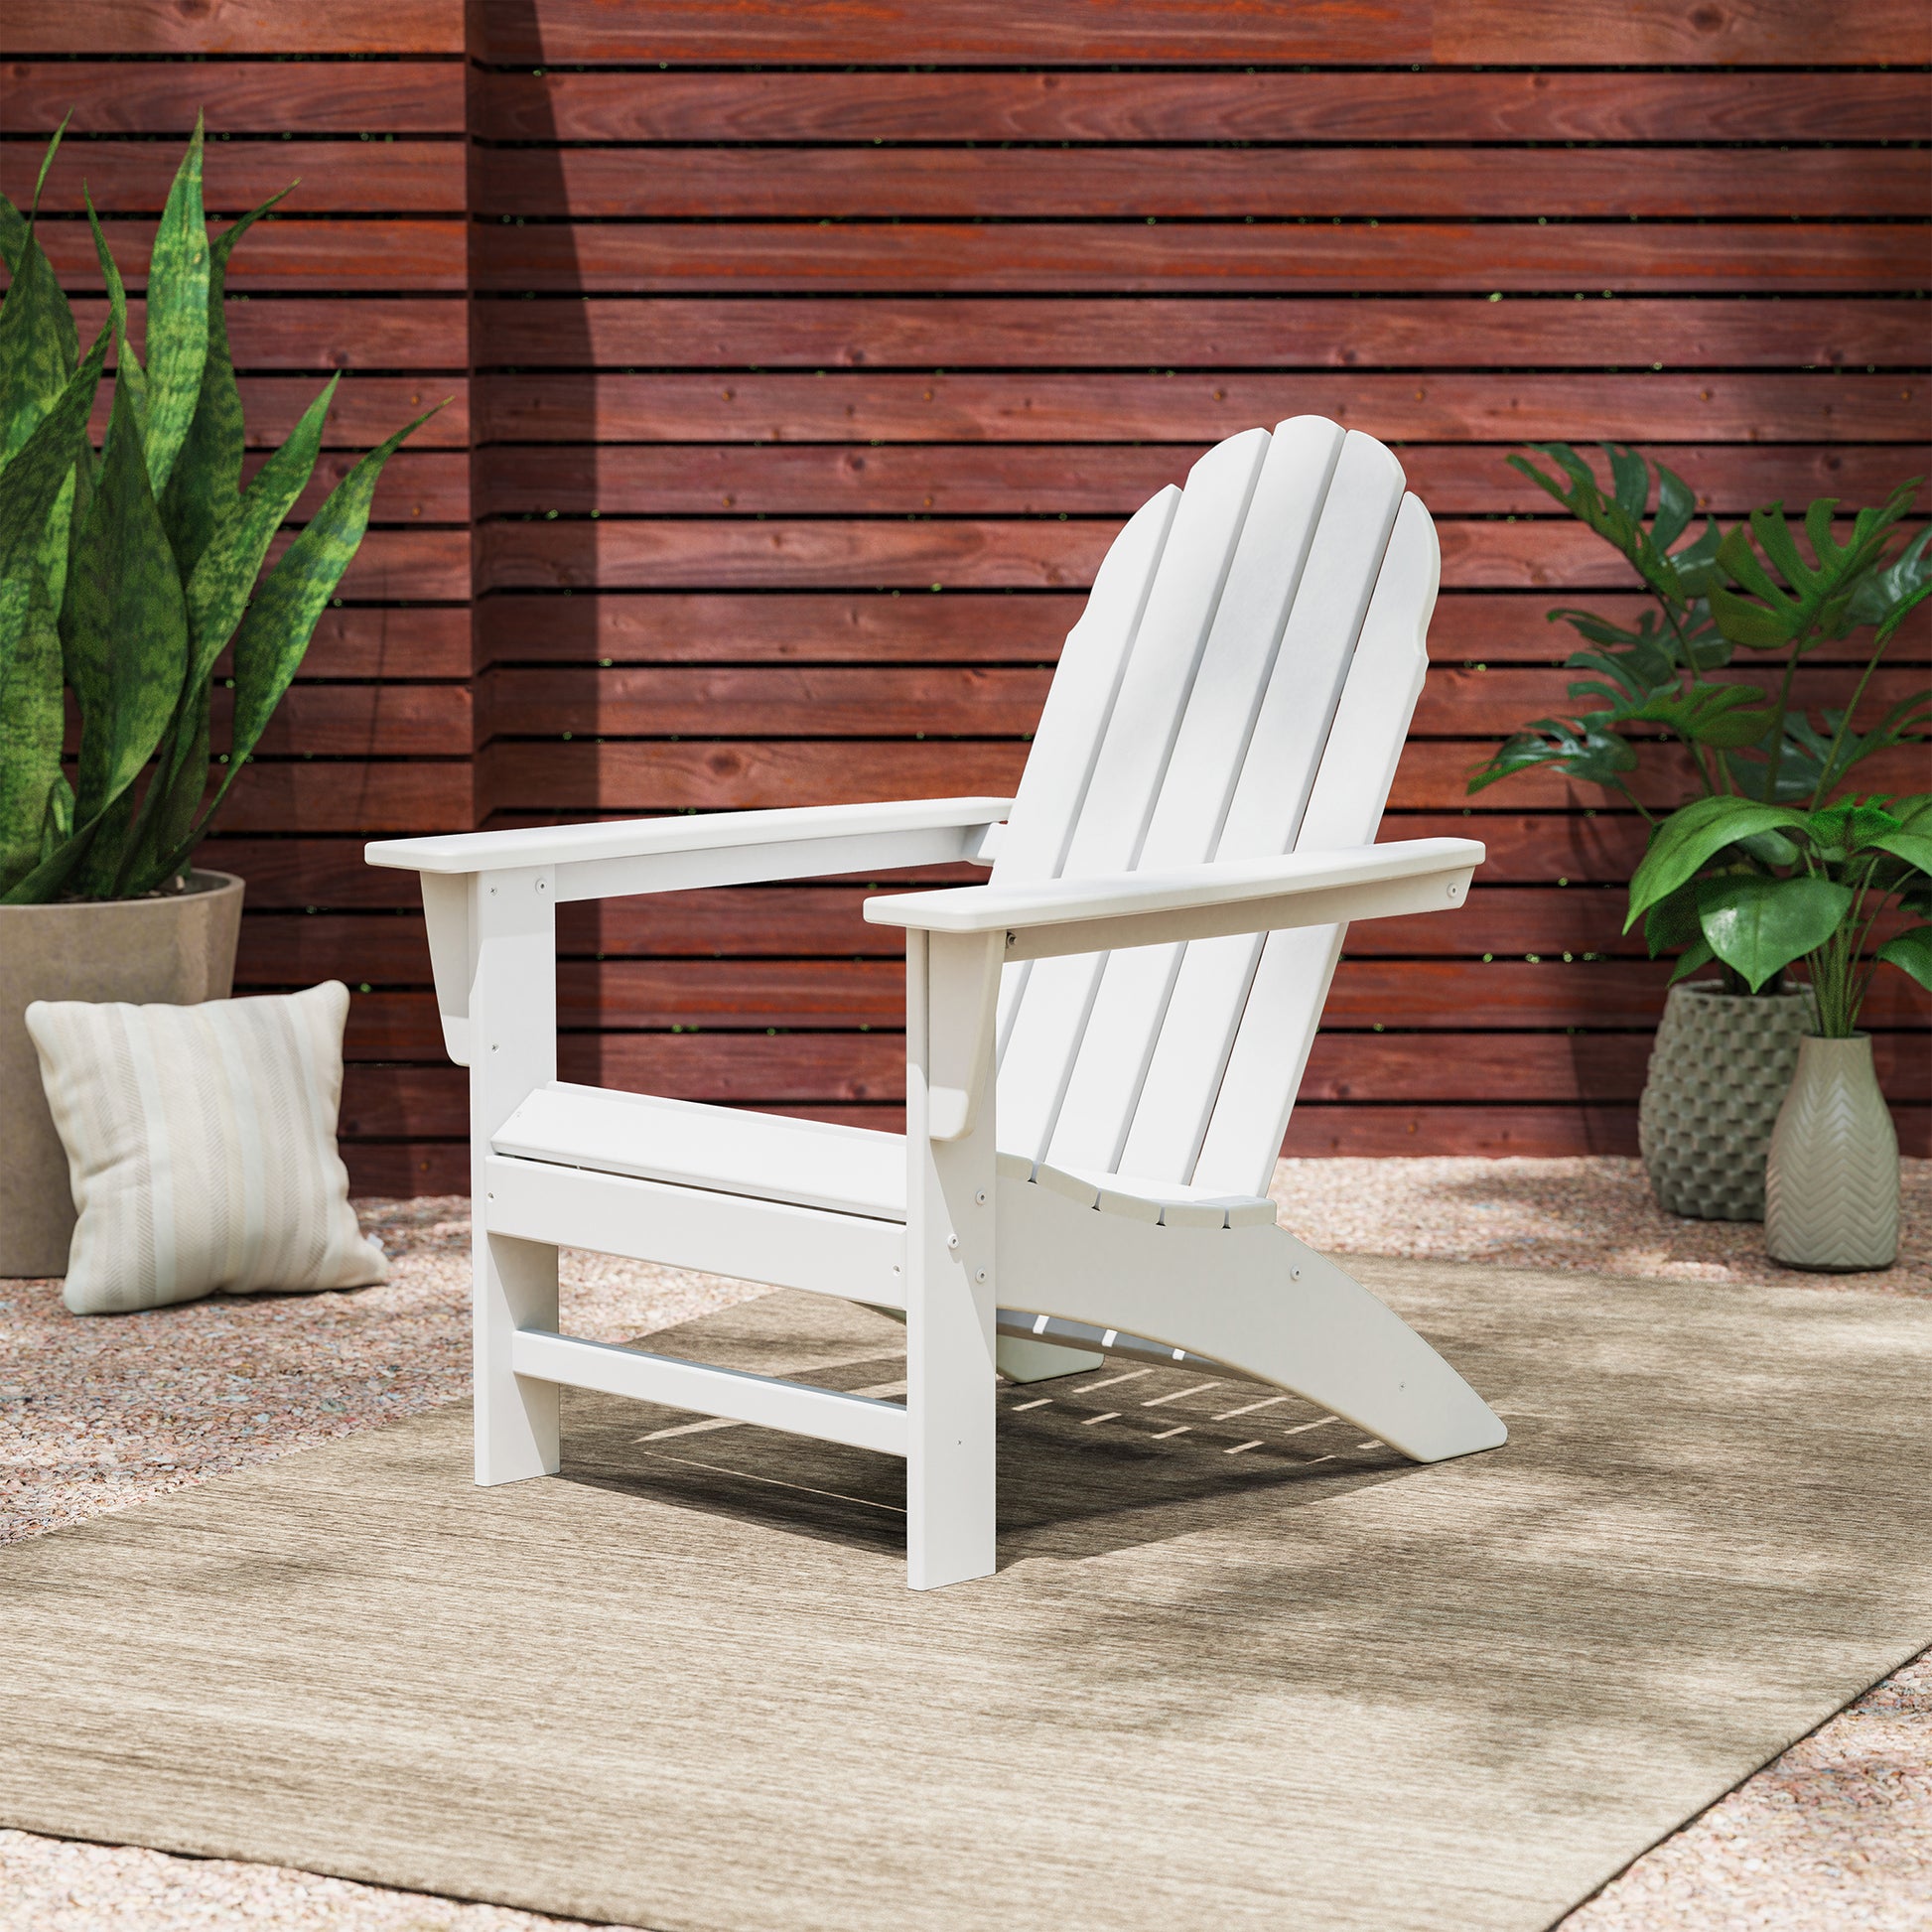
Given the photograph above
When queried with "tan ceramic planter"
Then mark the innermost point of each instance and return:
(173, 951)
(1830, 1196)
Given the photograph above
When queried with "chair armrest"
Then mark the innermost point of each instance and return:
(1050, 916)
(679, 853)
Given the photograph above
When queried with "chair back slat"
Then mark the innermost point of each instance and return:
(1131, 760)
(1213, 702)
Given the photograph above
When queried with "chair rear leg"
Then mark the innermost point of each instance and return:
(515, 1287)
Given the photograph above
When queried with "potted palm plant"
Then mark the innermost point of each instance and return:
(127, 576)
(1727, 1048)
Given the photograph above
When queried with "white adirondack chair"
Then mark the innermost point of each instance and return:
(1103, 1043)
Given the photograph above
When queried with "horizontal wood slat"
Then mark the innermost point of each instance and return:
(287, 251)
(916, 552)
(1179, 33)
(242, 97)
(940, 184)
(949, 331)
(1187, 407)
(297, 332)
(381, 176)
(973, 626)
(231, 27)
(1125, 258)
(993, 480)
(1267, 106)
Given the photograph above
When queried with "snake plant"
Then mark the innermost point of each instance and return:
(127, 573)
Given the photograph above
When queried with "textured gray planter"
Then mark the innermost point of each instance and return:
(173, 951)
(1831, 1184)
(1718, 1073)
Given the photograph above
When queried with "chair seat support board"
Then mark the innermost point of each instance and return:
(1103, 1041)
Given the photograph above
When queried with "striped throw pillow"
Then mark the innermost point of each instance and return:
(202, 1147)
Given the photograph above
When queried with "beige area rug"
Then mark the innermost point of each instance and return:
(1237, 1670)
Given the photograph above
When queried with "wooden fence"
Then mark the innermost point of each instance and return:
(805, 358)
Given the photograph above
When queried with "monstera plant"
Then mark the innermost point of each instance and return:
(128, 572)
(1768, 861)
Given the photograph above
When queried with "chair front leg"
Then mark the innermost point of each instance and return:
(512, 1052)
(951, 1296)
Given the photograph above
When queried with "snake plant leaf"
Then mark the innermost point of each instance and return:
(30, 723)
(271, 639)
(130, 375)
(37, 347)
(1758, 926)
(33, 479)
(1691, 837)
(217, 594)
(1912, 952)
(12, 235)
(126, 637)
(178, 279)
(206, 477)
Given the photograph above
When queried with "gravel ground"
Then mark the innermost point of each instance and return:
(99, 1413)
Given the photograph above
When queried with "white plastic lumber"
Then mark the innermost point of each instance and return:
(514, 1282)
(1276, 777)
(852, 1256)
(642, 838)
(1079, 702)
(1169, 1204)
(726, 1149)
(1253, 1298)
(1261, 600)
(1144, 896)
(1270, 1048)
(862, 1420)
(952, 1291)
(1132, 758)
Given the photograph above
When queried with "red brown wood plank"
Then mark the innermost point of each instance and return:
(968, 627)
(1192, 407)
(311, 797)
(237, 96)
(1069, 106)
(296, 870)
(322, 332)
(1663, 257)
(1763, 33)
(952, 183)
(1316, 1131)
(392, 1170)
(856, 701)
(244, 27)
(378, 643)
(725, 776)
(1174, 33)
(1197, 331)
(416, 486)
(363, 720)
(1036, 479)
(562, 33)
(403, 565)
(288, 252)
(365, 410)
(1433, 773)
(930, 554)
(375, 177)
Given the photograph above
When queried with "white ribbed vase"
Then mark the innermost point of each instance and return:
(1831, 1178)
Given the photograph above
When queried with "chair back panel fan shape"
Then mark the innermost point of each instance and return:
(1104, 1040)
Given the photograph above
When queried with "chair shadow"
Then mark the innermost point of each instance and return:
(1075, 1478)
